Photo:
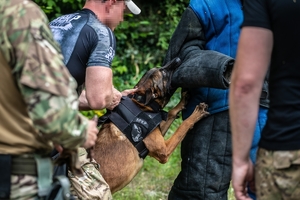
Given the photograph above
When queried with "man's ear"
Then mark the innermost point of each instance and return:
(111, 2)
(108, 5)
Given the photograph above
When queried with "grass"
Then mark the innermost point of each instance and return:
(153, 182)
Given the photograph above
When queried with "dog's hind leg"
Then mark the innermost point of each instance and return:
(173, 113)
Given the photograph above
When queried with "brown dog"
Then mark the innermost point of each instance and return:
(119, 159)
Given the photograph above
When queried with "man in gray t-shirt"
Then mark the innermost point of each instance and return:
(88, 45)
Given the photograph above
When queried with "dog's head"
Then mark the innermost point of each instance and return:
(154, 88)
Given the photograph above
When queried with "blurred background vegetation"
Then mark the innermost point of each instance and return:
(142, 42)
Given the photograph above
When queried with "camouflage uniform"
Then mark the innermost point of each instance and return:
(277, 175)
(91, 185)
(46, 110)
(23, 187)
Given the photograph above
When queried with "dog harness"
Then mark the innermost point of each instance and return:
(134, 123)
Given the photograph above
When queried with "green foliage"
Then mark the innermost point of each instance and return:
(143, 39)
(55, 8)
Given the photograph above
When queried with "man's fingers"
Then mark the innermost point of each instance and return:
(128, 91)
(92, 133)
(58, 148)
(95, 119)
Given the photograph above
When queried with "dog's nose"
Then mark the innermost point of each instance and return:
(173, 64)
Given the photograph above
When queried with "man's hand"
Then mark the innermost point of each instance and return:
(128, 91)
(117, 97)
(83, 102)
(242, 175)
(58, 148)
(92, 132)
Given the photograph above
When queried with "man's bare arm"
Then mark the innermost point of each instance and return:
(250, 68)
(100, 92)
(99, 87)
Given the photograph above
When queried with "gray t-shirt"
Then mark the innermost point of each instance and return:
(84, 42)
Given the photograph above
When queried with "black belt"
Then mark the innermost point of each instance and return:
(23, 165)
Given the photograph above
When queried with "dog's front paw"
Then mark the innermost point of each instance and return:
(200, 111)
(203, 106)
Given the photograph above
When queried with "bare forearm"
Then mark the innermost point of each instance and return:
(245, 90)
(99, 87)
(243, 114)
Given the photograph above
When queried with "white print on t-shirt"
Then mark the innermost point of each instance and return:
(64, 22)
(110, 55)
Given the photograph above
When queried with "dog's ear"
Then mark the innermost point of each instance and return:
(149, 96)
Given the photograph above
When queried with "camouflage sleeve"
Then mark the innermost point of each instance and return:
(44, 81)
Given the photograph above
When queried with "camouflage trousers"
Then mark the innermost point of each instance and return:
(277, 175)
(23, 187)
(91, 185)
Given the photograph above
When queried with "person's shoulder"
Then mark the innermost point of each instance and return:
(23, 17)
(67, 19)
(22, 12)
(17, 5)
(95, 23)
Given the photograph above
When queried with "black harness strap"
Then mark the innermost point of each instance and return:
(135, 123)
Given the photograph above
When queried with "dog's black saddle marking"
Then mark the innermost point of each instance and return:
(134, 123)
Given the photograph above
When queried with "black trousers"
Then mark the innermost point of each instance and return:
(206, 161)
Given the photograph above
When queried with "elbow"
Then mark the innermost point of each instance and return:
(242, 88)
